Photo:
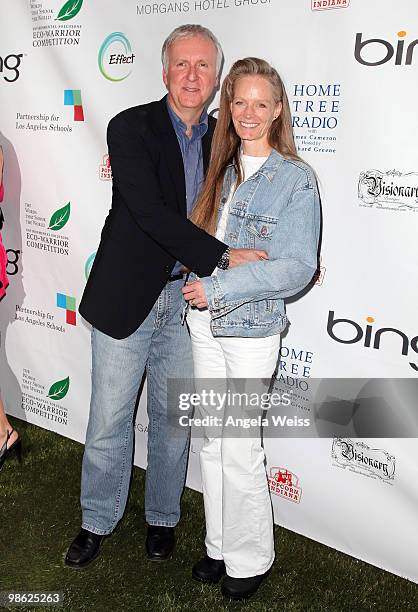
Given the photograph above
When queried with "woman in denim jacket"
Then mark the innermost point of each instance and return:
(258, 194)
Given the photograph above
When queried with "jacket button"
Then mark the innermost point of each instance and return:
(224, 199)
(263, 230)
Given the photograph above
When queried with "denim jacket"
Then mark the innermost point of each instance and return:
(276, 209)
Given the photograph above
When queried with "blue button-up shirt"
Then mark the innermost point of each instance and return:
(191, 150)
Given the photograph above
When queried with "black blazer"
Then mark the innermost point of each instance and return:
(146, 230)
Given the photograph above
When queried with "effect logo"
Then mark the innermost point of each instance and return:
(284, 483)
(68, 304)
(72, 97)
(112, 65)
(388, 49)
(69, 10)
(322, 5)
(372, 338)
(60, 218)
(389, 190)
(360, 458)
(59, 389)
(89, 264)
(105, 170)
(11, 63)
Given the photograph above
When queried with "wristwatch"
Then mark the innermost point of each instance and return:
(223, 263)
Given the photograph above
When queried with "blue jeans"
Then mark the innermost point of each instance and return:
(162, 346)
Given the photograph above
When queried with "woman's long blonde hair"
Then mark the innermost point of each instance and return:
(226, 142)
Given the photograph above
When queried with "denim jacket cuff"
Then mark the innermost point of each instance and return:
(213, 292)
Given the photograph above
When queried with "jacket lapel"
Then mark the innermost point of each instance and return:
(206, 143)
(170, 149)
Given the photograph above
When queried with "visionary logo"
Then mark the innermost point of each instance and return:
(376, 59)
(89, 264)
(59, 389)
(360, 458)
(60, 218)
(112, 64)
(367, 333)
(389, 190)
(72, 97)
(320, 5)
(105, 170)
(68, 304)
(11, 63)
(284, 483)
(69, 10)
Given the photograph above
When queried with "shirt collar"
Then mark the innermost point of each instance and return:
(198, 130)
(269, 168)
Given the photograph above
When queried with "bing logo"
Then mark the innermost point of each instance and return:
(68, 303)
(370, 337)
(72, 97)
(387, 48)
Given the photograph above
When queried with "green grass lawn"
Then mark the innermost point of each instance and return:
(40, 515)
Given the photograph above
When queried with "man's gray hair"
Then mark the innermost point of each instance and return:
(187, 31)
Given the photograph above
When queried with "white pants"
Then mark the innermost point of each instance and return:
(239, 519)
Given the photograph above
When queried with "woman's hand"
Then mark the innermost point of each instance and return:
(239, 257)
(194, 293)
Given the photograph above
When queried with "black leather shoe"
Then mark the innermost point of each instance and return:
(84, 549)
(208, 570)
(242, 588)
(159, 543)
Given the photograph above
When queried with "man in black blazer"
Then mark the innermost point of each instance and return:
(158, 153)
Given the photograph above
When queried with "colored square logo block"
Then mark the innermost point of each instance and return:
(68, 97)
(70, 318)
(70, 303)
(77, 97)
(72, 97)
(61, 300)
(78, 113)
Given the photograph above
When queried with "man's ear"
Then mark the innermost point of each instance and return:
(164, 77)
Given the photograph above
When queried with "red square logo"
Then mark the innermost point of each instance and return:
(78, 113)
(71, 320)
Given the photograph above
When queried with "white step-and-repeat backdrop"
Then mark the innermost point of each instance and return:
(350, 69)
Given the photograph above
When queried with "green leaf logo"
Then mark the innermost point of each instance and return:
(69, 10)
(60, 218)
(59, 389)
